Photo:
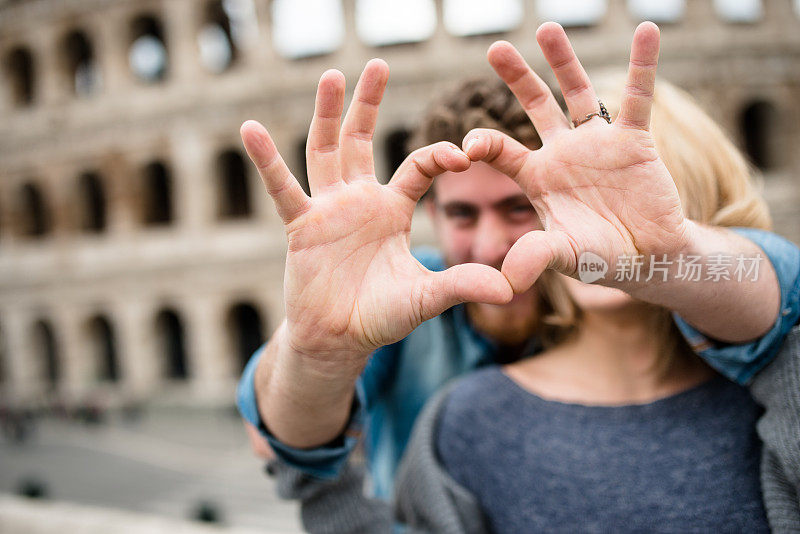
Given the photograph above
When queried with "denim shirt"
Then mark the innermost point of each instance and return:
(740, 362)
(399, 378)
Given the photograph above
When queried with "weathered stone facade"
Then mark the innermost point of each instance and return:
(139, 257)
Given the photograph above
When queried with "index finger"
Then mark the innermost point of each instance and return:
(290, 199)
(416, 173)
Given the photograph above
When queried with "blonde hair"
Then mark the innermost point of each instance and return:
(716, 184)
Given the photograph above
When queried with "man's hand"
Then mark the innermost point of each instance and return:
(351, 283)
(602, 188)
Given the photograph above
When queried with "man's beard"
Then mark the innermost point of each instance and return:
(510, 326)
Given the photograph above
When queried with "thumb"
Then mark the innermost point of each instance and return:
(533, 253)
(468, 282)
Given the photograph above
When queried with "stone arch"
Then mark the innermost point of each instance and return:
(20, 71)
(758, 124)
(148, 55)
(34, 218)
(46, 353)
(233, 188)
(245, 327)
(157, 198)
(78, 63)
(102, 346)
(171, 344)
(92, 213)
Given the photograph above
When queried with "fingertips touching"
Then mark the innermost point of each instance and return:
(476, 146)
(451, 158)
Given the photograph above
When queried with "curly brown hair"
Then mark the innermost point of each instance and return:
(475, 103)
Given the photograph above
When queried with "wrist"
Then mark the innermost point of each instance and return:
(659, 262)
(330, 364)
(304, 400)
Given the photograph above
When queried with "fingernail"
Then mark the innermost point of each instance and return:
(458, 151)
(471, 143)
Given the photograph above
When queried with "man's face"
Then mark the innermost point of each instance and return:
(479, 214)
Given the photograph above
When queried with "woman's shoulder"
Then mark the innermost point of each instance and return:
(474, 401)
(476, 386)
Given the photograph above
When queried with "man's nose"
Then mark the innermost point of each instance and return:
(491, 243)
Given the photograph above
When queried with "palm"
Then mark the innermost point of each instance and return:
(346, 260)
(609, 191)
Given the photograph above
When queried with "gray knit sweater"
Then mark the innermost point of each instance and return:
(777, 389)
(429, 500)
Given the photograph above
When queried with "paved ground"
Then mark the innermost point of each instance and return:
(166, 464)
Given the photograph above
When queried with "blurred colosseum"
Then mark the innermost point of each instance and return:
(140, 260)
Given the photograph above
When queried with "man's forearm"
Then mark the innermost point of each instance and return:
(732, 310)
(304, 400)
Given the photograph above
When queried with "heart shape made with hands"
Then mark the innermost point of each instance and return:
(351, 283)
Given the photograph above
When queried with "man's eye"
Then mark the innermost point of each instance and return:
(460, 214)
(522, 210)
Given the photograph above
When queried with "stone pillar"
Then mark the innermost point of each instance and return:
(353, 50)
(192, 171)
(700, 14)
(438, 49)
(111, 45)
(139, 367)
(618, 20)
(257, 51)
(23, 373)
(181, 21)
(123, 204)
(58, 187)
(76, 368)
(6, 216)
(6, 92)
(206, 347)
(781, 19)
(47, 67)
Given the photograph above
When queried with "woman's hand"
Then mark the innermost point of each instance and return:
(351, 284)
(599, 188)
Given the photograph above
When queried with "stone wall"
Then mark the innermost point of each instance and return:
(124, 286)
